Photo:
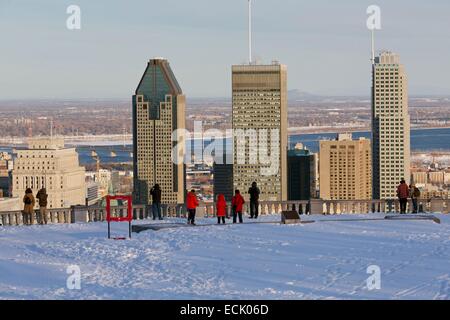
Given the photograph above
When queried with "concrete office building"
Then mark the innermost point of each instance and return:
(419, 177)
(47, 163)
(92, 193)
(345, 169)
(390, 126)
(260, 112)
(436, 177)
(158, 110)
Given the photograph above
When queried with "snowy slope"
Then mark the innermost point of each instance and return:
(322, 260)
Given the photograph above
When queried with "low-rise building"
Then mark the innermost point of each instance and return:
(46, 162)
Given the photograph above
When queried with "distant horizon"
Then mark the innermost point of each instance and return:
(123, 99)
(326, 46)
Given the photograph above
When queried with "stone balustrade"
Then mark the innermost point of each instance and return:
(54, 216)
(208, 210)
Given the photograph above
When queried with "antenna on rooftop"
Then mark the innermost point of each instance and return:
(250, 31)
(373, 46)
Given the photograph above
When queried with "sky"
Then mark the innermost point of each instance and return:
(324, 43)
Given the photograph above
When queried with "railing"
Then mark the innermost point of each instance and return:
(326, 207)
(53, 216)
(265, 208)
(143, 212)
(377, 206)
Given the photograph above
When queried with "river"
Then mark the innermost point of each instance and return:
(425, 140)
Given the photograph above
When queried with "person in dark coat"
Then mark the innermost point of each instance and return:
(42, 196)
(191, 204)
(403, 194)
(254, 200)
(415, 196)
(237, 203)
(221, 207)
(28, 209)
(156, 202)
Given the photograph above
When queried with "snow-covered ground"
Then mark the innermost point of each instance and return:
(322, 260)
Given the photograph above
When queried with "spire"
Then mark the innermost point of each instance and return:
(250, 32)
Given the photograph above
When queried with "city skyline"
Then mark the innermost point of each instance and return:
(307, 46)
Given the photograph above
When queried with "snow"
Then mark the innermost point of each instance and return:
(321, 260)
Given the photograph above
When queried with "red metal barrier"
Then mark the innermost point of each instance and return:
(128, 218)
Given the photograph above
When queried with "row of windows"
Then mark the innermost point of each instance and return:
(37, 168)
(34, 156)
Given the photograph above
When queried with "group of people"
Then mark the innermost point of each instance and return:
(192, 203)
(237, 205)
(404, 192)
(29, 202)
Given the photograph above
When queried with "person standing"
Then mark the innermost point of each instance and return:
(415, 196)
(254, 200)
(28, 209)
(156, 201)
(192, 204)
(221, 207)
(42, 196)
(403, 193)
(237, 202)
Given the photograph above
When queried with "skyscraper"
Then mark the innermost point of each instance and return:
(345, 169)
(158, 110)
(260, 113)
(390, 126)
(223, 180)
(301, 174)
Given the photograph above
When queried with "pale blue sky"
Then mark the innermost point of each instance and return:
(325, 44)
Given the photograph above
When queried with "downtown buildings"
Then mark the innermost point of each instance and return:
(345, 169)
(6, 166)
(47, 163)
(158, 110)
(259, 121)
(302, 178)
(390, 126)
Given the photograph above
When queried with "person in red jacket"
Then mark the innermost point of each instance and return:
(403, 193)
(192, 204)
(237, 203)
(221, 207)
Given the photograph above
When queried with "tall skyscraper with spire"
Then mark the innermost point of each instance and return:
(158, 110)
(259, 121)
(390, 126)
(260, 107)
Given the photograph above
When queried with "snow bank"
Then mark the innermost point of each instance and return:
(322, 260)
